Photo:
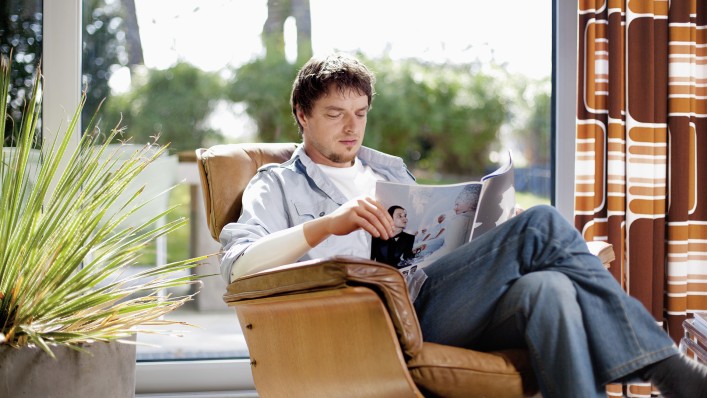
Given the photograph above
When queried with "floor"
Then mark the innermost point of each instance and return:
(214, 334)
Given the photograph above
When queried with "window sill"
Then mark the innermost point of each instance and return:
(201, 378)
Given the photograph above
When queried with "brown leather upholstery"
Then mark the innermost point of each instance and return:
(436, 370)
(337, 273)
(446, 371)
(341, 327)
(225, 170)
(324, 343)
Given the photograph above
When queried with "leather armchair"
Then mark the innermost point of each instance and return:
(341, 326)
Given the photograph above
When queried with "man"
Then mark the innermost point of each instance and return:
(530, 282)
(399, 247)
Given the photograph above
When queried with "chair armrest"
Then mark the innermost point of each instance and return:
(334, 273)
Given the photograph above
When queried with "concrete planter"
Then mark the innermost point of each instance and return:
(107, 372)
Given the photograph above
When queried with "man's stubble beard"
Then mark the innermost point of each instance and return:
(345, 157)
(336, 158)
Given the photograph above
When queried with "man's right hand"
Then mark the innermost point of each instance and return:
(360, 213)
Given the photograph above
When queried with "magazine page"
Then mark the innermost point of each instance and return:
(432, 220)
(498, 200)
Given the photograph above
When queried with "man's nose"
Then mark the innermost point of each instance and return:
(351, 123)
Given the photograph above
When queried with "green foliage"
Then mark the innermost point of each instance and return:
(20, 38)
(437, 117)
(63, 252)
(264, 86)
(103, 50)
(532, 128)
(178, 242)
(440, 118)
(526, 200)
(173, 104)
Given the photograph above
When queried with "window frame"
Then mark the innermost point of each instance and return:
(62, 92)
(564, 109)
(61, 67)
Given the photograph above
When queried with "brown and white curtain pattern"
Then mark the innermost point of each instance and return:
(641, 167)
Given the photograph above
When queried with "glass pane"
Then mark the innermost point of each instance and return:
(21, 34)
(454, 91)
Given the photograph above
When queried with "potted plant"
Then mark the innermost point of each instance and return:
(62, 254)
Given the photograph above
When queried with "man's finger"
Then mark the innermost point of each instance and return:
(372, 217)
(382, 214)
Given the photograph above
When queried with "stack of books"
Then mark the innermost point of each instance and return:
(694, 343)
(700, 322)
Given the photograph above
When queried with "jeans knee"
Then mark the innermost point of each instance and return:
(549, 288)
(553, 225)
(543, 212)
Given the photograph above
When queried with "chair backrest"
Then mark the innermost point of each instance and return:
(225, 171)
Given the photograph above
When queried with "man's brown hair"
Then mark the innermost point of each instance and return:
(318, 74)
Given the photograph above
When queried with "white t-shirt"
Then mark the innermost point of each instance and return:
(357, 180)
(352, 181)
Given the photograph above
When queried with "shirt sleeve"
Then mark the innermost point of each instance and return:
(279, 248)
(263, 213)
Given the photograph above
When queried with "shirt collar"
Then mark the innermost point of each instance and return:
(386, 165)
(377, 160)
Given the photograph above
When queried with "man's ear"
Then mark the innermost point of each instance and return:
(301, 117)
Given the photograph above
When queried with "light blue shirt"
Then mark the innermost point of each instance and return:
(282, 196)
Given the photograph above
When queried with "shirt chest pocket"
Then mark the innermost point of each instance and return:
(306, 211)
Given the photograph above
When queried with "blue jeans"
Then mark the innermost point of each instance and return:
(532, 283)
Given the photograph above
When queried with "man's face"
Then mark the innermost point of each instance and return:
(462, 205)
(400, 218)
(333, 132)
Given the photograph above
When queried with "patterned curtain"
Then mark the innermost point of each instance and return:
(641, 167)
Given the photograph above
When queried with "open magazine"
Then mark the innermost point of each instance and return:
(437, 219)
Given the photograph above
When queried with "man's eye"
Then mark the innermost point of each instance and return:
(333, 115)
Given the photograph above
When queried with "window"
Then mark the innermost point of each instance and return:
(21, 32)
(228, 121)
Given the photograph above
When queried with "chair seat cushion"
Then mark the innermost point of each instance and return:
(446, 371)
